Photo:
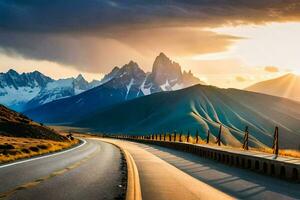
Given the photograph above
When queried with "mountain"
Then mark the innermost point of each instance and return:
(59, 89)
(114, 72)
(127, 83)
(204, 108)
(121, 84)
(287, 86)
(168, 76)
(17, 89)
(28, 90)
(17, 125)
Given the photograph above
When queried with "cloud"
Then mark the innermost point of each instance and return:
(271, 69)
(94, 35)
(240, 79)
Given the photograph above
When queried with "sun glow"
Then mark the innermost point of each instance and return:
(275, 44)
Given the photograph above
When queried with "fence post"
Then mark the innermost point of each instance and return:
(219, 136)
(276, 142)
(246, 138)
(188, 136)
(180, 136)
(197, 135)
(160, 137)
(208, 134)
(174, 136)
(170, 137)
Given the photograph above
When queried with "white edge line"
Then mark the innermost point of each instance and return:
(41, 157)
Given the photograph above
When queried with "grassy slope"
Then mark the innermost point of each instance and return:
(13, 148)
(17, 125)
(20, 137)
(203, 108)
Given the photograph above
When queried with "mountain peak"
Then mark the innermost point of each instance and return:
(12, 72)
(132, 64)
(164, 69)
(79, 77)
(36, 72)
(161, 54)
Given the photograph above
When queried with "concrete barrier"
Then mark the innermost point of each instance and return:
(267, 164)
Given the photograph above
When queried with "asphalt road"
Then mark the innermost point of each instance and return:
(159, 179)
(239, 183)
(91, 171)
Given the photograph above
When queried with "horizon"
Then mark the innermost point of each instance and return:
(89, 79)
(226, 50)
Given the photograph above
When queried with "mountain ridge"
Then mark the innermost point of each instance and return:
(27, 90)
(287, 86)
(121, 84)
(166, 75)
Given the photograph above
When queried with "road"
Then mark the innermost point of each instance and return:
(161, 181)
(170, 174)
(91, 171)
(94, 171)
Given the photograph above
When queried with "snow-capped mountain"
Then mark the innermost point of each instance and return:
(61, 88)
(27, 90)
(169, 76)
(121, 84)
(114, 72)
(129, 81)
(17, 89)
(166, 75)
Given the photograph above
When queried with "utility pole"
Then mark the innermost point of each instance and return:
(219, 136)
(275, 142)
(246, 138)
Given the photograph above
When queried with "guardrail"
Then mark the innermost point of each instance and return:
(268, 164)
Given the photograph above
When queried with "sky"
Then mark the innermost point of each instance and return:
(227, 43)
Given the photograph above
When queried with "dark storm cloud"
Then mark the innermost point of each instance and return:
(70, 32)
(83, 15)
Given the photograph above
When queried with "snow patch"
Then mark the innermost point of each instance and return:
(177, 86)
(128, 87)
(146, 91)
(13, 96)
(165, 86)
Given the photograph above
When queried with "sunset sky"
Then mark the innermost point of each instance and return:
(228, 43)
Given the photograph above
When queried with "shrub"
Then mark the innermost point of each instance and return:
(6, 146)
(25, 150)
(42, 146)
(35, 149)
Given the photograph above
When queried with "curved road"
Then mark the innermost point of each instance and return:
(171, 174)
(92, 171)
(95, 171)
